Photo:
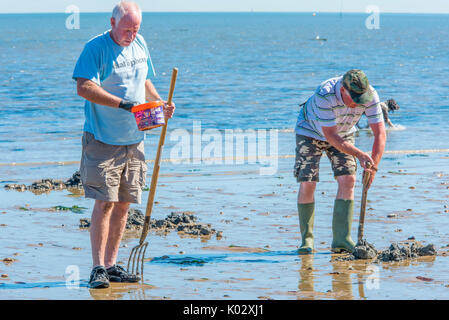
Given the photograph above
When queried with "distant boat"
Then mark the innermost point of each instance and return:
(317, 38)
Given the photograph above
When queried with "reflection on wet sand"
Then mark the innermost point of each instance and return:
(343, 275)
(341, 282)
(119, 291)
(408, 262)
(306, 277)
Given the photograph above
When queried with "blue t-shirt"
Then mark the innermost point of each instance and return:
(121, 71)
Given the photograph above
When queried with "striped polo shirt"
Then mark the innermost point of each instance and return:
(325, 108)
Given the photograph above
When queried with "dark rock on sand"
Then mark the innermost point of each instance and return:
(8, 260)
(428, 250)
(47, 185)
(185, 223)
(135, 219)
(424, 278)
(395, 252)
(74, 181)
(84, 223)
(16, 187)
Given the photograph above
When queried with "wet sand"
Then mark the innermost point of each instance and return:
(256, 256)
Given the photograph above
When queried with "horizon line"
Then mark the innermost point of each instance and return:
(251, 11)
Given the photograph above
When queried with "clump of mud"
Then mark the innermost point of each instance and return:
(395, 252)
(408, 251)
(364, 250)
(47, 185)
(184, 223)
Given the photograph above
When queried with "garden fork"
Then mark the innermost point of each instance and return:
(137, 255)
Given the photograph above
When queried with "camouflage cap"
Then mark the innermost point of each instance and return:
(356, 82)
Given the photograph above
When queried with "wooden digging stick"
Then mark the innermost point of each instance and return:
(157, 162)
(366, 178)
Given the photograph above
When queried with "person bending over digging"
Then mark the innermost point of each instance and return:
(326, 124)
(113, 74)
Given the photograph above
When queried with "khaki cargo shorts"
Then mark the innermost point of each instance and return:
(112, 173)
(308, 156)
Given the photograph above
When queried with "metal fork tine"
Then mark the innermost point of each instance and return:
(129, 260)
(133, 251)
(134, 257)
(136, 253)
(143, 258)
(139, 258)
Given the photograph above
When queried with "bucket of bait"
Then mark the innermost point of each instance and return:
(149, 115)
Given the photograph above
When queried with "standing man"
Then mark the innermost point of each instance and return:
(326, 123)
(113, 74)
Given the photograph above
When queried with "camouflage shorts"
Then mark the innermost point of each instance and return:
(308, 156)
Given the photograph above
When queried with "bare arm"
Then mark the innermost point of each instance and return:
(89, 90)
(380, 139)
(331, 135)
(151, 92)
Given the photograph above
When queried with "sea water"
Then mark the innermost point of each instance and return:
(236, 71)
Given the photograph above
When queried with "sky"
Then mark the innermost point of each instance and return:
(385, 6)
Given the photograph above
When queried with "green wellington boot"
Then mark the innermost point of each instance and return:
(341, 226)
(306, 213)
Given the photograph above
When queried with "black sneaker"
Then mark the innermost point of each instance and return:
(99, 278)
(118, 274)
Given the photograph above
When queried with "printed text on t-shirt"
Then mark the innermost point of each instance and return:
(129, 63)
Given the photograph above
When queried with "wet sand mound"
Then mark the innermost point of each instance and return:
(47, 185)
(184, 223)
(395, 252)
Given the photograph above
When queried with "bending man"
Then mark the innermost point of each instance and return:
(326, 124)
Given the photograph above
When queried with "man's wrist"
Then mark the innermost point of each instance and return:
(358, 153)
(127, 105)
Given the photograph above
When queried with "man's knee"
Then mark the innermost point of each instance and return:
(306, 192)
(346, 181)
(122, 206)
(104, 207)
(307, 187)
(121, 209)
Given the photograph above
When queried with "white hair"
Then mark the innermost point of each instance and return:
(122, 8)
